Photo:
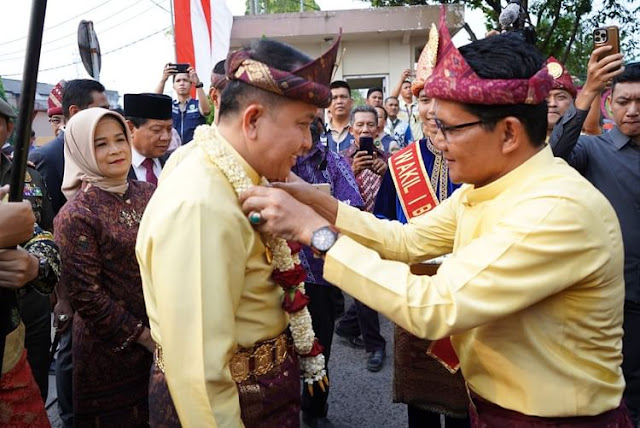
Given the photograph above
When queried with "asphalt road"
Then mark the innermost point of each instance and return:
(358, 397)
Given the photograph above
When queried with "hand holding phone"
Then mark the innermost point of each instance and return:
(607, 36)
(180, 68)
(366, 144)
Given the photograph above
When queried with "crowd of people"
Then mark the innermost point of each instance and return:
(479, 205)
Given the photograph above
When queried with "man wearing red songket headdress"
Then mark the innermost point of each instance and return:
(226, 304)
(532, 292)
(562, 94)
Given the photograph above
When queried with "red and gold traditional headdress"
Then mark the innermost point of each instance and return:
(427, 61)
(561, 77)
(309, 83)
(54, 102)
(453, 79)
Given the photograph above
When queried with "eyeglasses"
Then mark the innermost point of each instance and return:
(441, 126)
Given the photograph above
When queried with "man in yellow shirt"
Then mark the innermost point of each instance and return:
(224, 356)
(532, 294)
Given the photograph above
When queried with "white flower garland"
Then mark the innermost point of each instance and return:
(300, 324)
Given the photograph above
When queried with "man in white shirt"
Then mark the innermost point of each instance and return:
(149, 119)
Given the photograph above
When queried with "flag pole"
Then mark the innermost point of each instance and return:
(8, 298)
(173, 31)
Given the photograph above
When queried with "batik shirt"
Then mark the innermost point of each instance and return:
(321, 165)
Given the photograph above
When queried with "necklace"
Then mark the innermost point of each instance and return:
(288, 273)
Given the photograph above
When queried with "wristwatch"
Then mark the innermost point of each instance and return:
(199, 85)
(323, 239)
(43, 268)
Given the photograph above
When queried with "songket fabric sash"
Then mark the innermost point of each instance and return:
(484, 414)
(417, 196)
(268, 399)
(20, 401)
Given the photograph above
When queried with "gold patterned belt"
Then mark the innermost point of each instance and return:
(260, 359)
(157, 358)
(256, 361)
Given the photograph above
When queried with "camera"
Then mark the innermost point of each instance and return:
(515, 18)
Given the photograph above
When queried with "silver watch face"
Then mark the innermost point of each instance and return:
(323, 239)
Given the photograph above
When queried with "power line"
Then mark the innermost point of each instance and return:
(126, 8)
(2, 59)
(59, 23)
(104, 54)
(161, 7)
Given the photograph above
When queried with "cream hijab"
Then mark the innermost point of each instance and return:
(81, 167)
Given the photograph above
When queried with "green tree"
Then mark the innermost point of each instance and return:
(563, 27)
(282, 6)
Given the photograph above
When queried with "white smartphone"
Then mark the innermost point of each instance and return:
(323, 187)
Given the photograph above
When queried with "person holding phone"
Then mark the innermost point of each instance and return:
(322, 167)
(532, 293)
(610, 162)
(187, 113)
(369, 165)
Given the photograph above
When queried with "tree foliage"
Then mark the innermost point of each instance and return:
(563, 27)
(282, 6)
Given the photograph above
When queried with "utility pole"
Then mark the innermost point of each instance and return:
(301, 5)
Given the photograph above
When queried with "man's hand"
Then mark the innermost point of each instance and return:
(600, 72)
(17, 268)
(406, 75)
(16, 221)
(145, 340)
(169, 70)
(281, 214)
(379, 166)
(62, 315)
(193, 76)
(361, 161)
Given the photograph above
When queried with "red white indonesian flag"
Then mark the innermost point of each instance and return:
(202, 32)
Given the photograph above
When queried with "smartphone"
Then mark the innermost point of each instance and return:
(181, 68)
(323, 187)
(607, 36)
(366, 143)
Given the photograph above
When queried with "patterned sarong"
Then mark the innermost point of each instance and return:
(268, 401)
(485, 414)
(20, 401)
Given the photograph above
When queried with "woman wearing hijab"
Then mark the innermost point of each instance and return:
(96, 231)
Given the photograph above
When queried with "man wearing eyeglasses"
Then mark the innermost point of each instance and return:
(532, 293)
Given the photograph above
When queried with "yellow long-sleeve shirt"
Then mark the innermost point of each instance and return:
(532, 294)
(207, 285)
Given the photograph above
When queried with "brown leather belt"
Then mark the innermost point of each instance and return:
(255, 361)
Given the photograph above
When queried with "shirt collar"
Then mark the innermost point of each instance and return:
(618, 138)
(251, 173)
(540, 161)
(330, 127)
(315, 149)
(136, 158)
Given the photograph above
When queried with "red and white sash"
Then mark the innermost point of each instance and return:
(417, 196)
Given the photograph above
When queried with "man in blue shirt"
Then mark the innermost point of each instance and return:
(611, 162)
(187, 113)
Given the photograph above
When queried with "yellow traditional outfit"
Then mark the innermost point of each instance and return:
(532, 294)
(207, 284)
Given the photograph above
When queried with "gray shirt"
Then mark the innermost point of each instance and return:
(611, 162)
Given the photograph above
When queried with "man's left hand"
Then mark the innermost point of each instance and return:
(281, 214)
(17, 268)
(193, 76)
(379, 166)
